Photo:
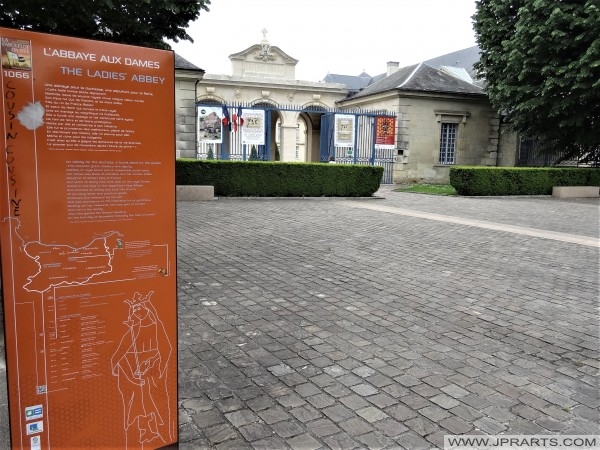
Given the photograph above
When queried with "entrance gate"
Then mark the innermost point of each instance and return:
(364, 150)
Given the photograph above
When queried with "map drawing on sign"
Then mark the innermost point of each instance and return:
(63, 265)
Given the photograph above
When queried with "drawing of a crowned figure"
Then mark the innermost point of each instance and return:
(140, 364)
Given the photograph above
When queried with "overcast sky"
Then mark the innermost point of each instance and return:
(336, 36)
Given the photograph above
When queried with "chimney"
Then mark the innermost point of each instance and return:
(392, 66)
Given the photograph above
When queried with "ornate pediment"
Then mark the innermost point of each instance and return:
(262, 52)
(263, 60)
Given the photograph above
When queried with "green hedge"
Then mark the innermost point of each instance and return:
(276, 179)
(519, 180)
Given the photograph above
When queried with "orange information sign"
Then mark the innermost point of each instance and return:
(88, 242)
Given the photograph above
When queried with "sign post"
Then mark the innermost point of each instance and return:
(88, 242)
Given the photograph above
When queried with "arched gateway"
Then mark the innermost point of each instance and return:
(283, 118)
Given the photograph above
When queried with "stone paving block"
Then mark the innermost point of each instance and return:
(354, 402)
(415, 401)
(435, 413)
(255, 431)
(273, 415)
(401, 412)
(305, 413)
(454, 391)
(320, 401)
(525, 427)
(220, 433)
(323, 427)
(355, 426)
(303, 442)
(195, 405)
(280, 370)
(395, 390)
(349, 380)
(322, 380)
(337, 390)
(293, 379)
(456, 425)
(444, 401)
(341, 442)
(259, 403)
(207, 418)
(269, 443)
(382, 400)
(591, 414)
(307, 390)
(412, 441)
(241, 417)
(489, 425)
(372, 414)
(364, 389)
(364, 371)
(375, 440)
(550, 424)
(229, 404)
(390, 427)
(436, 381)
(287, 429)
(290, 401)
(338, 413)
(407, 380)
(234, 444)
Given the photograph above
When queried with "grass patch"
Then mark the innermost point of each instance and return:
(434, 189)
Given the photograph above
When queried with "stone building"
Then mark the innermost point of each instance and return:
(265, 76)
(443, 115)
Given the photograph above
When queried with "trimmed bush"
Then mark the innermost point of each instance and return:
(519, 180)
(276, 179)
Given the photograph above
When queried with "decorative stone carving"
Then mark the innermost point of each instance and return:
(265, 49)
(210, 89)
(237, 93)
(265, 94)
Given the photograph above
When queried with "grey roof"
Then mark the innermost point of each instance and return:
(453, 62)
(421, 78)
(182, 63)
(352, 82)
(465, 58)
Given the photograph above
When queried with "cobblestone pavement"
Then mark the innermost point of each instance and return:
(311, 324)
(319, 323)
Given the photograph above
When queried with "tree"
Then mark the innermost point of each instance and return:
(541, 63)
(253, 154)
(137, 22)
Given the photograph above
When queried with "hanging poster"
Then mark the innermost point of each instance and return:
(253, 129)
(344, 130)
(87, 225)
(210, 124)
(385, 132)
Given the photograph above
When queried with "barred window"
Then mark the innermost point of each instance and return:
(448, 142)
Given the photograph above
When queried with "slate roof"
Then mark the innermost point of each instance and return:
(421, 78)
(352, 82)
(182, 63)
(465, 58)
(455, 63)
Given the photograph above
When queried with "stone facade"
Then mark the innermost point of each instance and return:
(423, 98)
(186, 78)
